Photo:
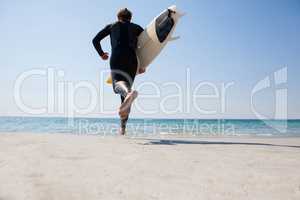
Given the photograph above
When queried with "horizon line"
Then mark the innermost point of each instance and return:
(146, 118)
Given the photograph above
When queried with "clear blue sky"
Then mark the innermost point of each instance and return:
(221, 41)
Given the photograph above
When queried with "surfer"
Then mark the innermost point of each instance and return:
(123, 60)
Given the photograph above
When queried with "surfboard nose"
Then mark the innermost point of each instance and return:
(173, 8)
(176, 11)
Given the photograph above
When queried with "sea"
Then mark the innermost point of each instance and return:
(152, 127)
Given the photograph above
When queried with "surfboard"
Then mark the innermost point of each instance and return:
(155, 37)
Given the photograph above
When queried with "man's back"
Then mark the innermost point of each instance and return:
(124, 35)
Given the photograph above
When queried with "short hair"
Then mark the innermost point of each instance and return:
(124, 14)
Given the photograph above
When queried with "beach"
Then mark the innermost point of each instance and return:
(64, 166)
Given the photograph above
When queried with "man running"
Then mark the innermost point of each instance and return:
(123, 61)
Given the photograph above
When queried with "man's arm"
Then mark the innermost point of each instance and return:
(96, 41)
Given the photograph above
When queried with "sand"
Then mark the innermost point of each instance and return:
(65, 167)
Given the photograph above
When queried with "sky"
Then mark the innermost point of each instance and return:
(228, 44)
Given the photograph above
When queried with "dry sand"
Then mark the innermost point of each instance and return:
(70, 167)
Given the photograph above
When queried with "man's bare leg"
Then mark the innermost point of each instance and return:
(124, 109)
(127, 97)
(122, 129)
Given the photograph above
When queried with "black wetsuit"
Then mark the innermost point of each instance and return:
(123, 60)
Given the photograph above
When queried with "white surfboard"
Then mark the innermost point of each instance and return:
(155, 37)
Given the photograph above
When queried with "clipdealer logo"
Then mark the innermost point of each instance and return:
(277, 81)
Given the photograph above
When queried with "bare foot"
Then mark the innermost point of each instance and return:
(122, 131)
(126, 105)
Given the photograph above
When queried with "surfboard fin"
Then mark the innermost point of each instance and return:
(181, 14)
(174, 38)
(109, 80)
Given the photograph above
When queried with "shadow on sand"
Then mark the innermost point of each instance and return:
(175, 142)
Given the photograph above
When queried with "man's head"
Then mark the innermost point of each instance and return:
(124, 15)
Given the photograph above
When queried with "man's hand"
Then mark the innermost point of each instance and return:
(142, 70)
(104, 56)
